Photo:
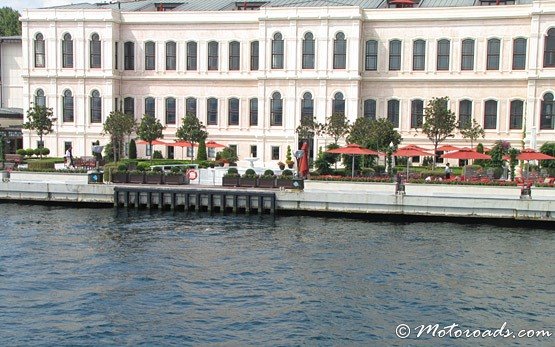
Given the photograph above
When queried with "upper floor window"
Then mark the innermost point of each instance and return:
(254, 55)
(233, 111)
(253, 111)
(277, 51)
(150, 55)
(308, 51)
(338, 104)
(39, 50)
(129, 106)
(443, 54)
(371, 57)
(191, 55)
(212, 111)
(213, 55)
(370, 109)
(67, 106)
(394, 55)
(191, 106)
(67, 51)
(467, 55)
(339, 51)
(40, 99)
(393, 112)
(307, 107)
(171, 55)
(276, 110)
(150, 107)
(129, 56)
(494, 46)
(170, 110)
(465, 113)
(416, 113)
(547, 116)
(549, 49)
(96, 107)
(517, 111)
(95, 52)
(490, 114)
(234, 55)
(419, 55)
(519, 53)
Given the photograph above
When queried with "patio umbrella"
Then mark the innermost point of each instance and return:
(466, 153)
(303, 162)
(155, 142)
(353, 149)
(447, 148)
(530, 154)
(181, 144)
(411, 151)
(214, 144)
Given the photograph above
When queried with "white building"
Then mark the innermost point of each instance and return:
(250, 74)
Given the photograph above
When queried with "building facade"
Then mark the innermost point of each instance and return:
(251, 70)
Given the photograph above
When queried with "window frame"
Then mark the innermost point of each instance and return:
(192, 56)
(67, 51)
(171, 57)
(277, 51)
(150, 56)
(369, 109)
(416, 113)
(520, 45)
(443, 55)
(129, 55)
(493, 56)
(490, 118)
(171, 110)
(393, 112)
(40, 51)
(213, 56)
(95, 52)
(395, 51)
(129, 106)
(68, 112)
(465, 112)
(371, 55)
(233, 107)
(547, 112)
(307, 106)
(516, 114)
(150, 106)
(419, 55)
(340, 51)
(467, 54)
(253, 111)
(276, 109)
(308, 51)
(95, 107)
(212, 111)
(234, 56)
(255, 56)
(549, 48)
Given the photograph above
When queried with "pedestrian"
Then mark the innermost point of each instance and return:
(447, 171)
(69, 158)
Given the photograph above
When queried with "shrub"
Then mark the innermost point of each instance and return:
(269, 173)
(175, 170)
(21, 151)
(29, 152)
(143, 167)
(122, 167)
(39, 165)
(379, 169)
(368, 171)
(37, 151)
(287, 172)
(232, 172)
(250, 173)
(157, 155)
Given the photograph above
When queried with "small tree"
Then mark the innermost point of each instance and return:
(513, 152)
(439, 122)
(119, 125)
(192, 130)
(337, 126)
(150, 129)
(39, 119)
(549, 149)
(132, 149)
(472, 131)
(9, 22)
(201, 152)
(309, 128)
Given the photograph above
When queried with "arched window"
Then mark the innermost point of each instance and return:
(370, 109)
(371, 61)
(490, 114)
(150, 56)
(129, 106)
(308, 51)
(394, 55)
(191, 55)
(171, 55)
(254, 55)
(517, 111)
(191, 106)
(443, 53)
(67, 106)
(277, 51)
(547, 116)
(39, 50)
(234, 55)
(339, 51)
(393, 112)
(338, 104)
(276, 110)
(307, 108)
(212, 111)
(418, 55)
(549, 49)
(96, 107)
(233, 111)
(95, 52)
(494, 46)
(416, 113)
(465, 113)
(519, 53)
(129, 56)
(467, 55)
(170, 110)
(40, 99)
(253, 111)
(212, 55)
(67, 51)
(150, 107)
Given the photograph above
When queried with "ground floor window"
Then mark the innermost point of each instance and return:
(275, 152)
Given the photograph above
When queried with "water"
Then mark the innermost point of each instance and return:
(102, 277)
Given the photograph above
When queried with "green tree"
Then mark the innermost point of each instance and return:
(439, 122)
(119, 125)
(201, 152)
(39, 120)
(309, 128)
(9, 22)
(337, 126)
(549, 149)
(513, 152)
(132, 149)
(374, 134)
(149, 130)
(191, 130)
(472, 131)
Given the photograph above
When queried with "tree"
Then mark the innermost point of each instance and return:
(439, 122)
(337, 126)
(192, 130)
(201, 152)
(309, 128)
(472, 131)
(150, 129)
(374, 134)
(132, 149)
(39, 119)
(9, 22)
(119, 125)
(549, 149)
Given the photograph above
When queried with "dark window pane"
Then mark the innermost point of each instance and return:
(443, 48)
(212, 111)
(395, 55)
(370, 109)
(191, 55)
(467, 57)
(170, 111)
(150, 56)
(254, 55)
(233, 112)
(519, 54)
(171, 56)
(493, 54)
(371, 60)
(253, 112)
(129, 56)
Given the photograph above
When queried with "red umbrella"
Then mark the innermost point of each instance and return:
(530, 154)
(447, 148)
(303, 161)
(411, 151)
(181, 144)
(155, 142)
(353, 149)
(466, 153)
(214, 144)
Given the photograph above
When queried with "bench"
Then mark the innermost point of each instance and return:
(87, 162)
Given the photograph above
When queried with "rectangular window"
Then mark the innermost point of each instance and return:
(191, 56)
(233, 111)
(490, 114)
(129, 106)
(212, 55)
(170, 111)
(150, 56)
(254, 55)
(493, 54)
(67, 53)
(150, 107)
(370, 109)
(419, 55)
(443, 50)
(171, 55)
(233, 148)
(275, 152)
(519, 54)
(212, 111)
(129, 56)
(393, 112)
(190, 152)
(253, 111)
(467, 55)
(394, 55)
(465, 113)
(116, 56)
(191, 106)
(234, 55)
(254, 151)
(371, 59)
(517, 109)
(95, 57)
(417, 113)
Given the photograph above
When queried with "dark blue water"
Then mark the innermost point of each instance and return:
(102, 277)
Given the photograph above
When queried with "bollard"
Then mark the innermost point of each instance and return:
(399, 186)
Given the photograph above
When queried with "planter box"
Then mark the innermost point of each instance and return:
(136, 178)
(247, 182)
(176, 179)
(230, 181)
(119, 177)
(285, 183)
(267, 182)
(153, 179)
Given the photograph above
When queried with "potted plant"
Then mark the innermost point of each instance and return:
(267, 180)
(231, 178)
(137, 176)
(281, 165)
(249, 179)
(154, 176)
(120, 174)
(176, 176)
(288, 158)
(285, 180)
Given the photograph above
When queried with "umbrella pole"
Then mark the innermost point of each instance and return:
(353, 167)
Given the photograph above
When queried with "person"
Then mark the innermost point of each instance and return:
(447, 171)
(69, 158)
